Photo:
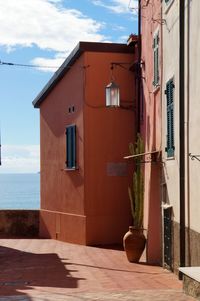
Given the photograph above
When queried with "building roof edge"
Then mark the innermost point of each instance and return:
(70, 60)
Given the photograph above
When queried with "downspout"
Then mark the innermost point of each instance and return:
(188, 134)
(139, 66)
(182, 129)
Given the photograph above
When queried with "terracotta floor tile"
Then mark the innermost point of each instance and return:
(39, 269)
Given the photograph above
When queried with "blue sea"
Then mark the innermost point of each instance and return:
(19, 191)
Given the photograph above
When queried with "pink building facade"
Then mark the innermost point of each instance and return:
(150, 123)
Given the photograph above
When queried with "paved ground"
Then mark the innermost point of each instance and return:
(33, 269)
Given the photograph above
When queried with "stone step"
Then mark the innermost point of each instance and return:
(191, 281)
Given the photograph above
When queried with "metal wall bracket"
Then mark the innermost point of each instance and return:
(152, 158)
(193, 157)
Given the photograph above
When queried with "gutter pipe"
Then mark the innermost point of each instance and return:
(182, 129)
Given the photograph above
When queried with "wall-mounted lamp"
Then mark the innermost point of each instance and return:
(112, 95)
(112, 89)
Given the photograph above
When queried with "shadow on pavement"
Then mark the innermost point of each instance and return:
(22, 271)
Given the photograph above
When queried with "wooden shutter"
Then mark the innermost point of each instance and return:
(170, 118)
(156, 59)
(71, 146)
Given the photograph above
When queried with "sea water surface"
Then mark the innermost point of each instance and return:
(19, 191)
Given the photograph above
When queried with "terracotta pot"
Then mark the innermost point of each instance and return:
(134, 243)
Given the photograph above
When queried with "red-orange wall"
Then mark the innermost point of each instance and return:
(62, 192)
(108, 131)
(86, 205)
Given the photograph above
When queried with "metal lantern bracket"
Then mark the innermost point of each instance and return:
(122, 65)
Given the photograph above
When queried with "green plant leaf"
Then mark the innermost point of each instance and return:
(136, 190)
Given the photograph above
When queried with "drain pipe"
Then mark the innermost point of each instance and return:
(188, 134)
(182, 129)
(139, 66)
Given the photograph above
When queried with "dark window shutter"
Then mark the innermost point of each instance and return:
(156, 59)
(74, 146)
(71, 146)
(170, 118)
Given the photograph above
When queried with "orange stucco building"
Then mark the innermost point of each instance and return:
(84, 179)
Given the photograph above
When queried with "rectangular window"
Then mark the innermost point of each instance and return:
(156, 59)
(71, 147)
(170, 118)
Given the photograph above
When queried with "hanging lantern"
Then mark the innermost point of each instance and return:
(112, 95)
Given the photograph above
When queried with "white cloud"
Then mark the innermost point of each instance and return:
(43, 23)
(54, 62)
(46, 24)
(118, 27)
(118, 6)
(122, 39)
(20, 159)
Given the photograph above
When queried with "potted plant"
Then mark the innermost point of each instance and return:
(134, 240)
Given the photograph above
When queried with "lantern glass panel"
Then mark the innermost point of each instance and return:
(112, 95)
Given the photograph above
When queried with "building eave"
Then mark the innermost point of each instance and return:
(70, 60)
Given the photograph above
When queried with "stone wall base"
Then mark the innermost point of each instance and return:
(192, 247)
(19, 223)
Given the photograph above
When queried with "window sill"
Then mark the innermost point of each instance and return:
(70, 169)
(170, 158)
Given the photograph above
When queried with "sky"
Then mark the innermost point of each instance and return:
(43, 33)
